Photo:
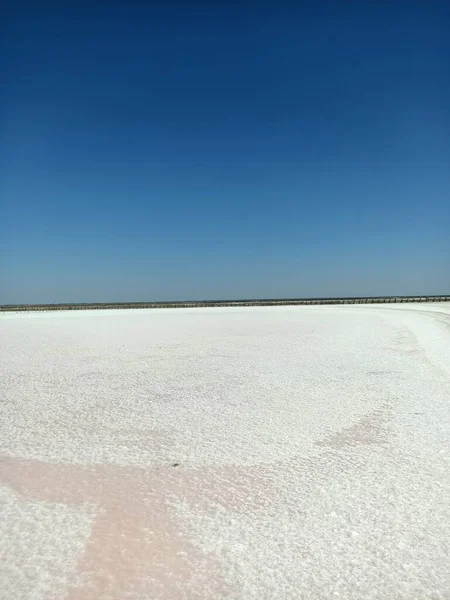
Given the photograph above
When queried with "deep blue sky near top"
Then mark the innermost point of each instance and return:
(204, 150)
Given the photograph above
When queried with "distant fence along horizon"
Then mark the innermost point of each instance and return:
(219, 303)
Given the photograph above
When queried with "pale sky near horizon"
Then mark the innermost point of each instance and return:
(202, 150)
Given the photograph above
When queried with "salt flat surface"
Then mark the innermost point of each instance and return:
(242, 453)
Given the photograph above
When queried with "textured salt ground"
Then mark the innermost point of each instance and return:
(312, 447)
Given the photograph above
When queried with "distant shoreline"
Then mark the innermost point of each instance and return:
(221, 303)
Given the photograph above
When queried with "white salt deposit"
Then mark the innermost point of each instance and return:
(311, 444)
(40, 545)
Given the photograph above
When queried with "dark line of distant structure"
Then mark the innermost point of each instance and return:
(218, 303)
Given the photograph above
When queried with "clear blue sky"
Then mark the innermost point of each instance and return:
(204, 150)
